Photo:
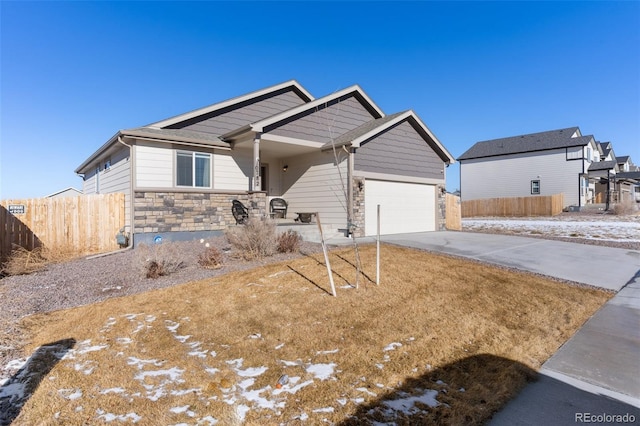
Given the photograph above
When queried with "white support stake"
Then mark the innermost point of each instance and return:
(378, 250)
(326, 256)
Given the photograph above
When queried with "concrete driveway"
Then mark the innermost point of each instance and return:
(598, 369)
(605, 267)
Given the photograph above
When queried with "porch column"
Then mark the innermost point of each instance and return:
(255, 181)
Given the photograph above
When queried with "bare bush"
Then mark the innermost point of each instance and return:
(289, 242)
(211, 258)
(625, 208)
(255, 240)
(23, 261)
(158, 260)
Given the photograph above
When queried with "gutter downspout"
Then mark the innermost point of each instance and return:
(131, 197)
(350, 166)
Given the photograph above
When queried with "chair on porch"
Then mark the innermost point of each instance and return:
(240, 212)
(278, 206)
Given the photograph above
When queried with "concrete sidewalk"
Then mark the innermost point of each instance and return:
(597, 371)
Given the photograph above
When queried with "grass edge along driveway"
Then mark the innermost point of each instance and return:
(441, 340)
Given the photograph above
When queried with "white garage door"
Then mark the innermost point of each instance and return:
(404, 207)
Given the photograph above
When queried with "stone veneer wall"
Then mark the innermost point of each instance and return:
(441, 208)
(358, 205)
(158, 211)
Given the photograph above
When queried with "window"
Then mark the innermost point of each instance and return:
(107, 165)
(589, 154)
(535, 187)
(193, 169)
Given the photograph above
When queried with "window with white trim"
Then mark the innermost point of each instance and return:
(193, 169)
(535, 187)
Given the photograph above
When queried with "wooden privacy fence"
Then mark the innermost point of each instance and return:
(83, 225)
(452, 213)
(539, 205)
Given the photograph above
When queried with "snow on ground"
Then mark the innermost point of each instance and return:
(161, 379)
(606, 228)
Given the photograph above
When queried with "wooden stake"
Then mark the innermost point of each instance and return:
(378, 250)
(326, 256)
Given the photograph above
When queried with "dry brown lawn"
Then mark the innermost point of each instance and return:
(441, 340)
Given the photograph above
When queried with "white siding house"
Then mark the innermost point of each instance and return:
(181, 175)
(536, 164)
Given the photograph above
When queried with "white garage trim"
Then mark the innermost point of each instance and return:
(404, 207)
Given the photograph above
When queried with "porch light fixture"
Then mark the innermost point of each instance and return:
(285, 168)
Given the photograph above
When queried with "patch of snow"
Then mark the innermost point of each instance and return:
(321, 371)
(16, 364)
(174, 374)
(406, 405)
(182, 339)
(324, 410)
(70, 394)
(184, 409)
(109, 417)
(280, 346)
(140, 363)
(112, 390)
(367, 391)
(291, 363)
(342, 401)
(333, 351)
(392, 346)
(13, 391)
(124, 340)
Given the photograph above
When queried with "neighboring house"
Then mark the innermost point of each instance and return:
(68, 192)
(544, 163)
(338, 155)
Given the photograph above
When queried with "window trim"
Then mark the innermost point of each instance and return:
(535, 187)
(194, 155)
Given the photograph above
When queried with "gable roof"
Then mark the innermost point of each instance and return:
(261, 125)
(291, 84)
(602, 165)
(622, 159)
(371, 129)
(541, 141)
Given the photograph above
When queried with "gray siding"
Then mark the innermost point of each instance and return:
(399, 151)
(511, 176)
(118, 179)
(89, 183)
(312, 184)
(221, 122)
(323, 123)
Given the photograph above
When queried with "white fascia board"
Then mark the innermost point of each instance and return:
(260, 125)
(233, 101)
(408, 114)
(174, 139)
(373, 132)
(432, 136)
(292, 141)
(398, 178)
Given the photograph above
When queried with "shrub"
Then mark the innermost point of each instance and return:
(289, 242)
(255, 240)
(210, 259)
(22, 261)
(624, 208)
(158, 260)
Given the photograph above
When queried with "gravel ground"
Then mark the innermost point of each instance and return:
(89, 280)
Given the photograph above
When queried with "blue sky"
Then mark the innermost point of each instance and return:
(74, 73)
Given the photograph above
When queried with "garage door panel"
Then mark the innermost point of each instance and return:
(404, 207)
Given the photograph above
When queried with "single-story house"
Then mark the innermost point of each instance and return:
(67, 192)
(545, 163)
(339, 155)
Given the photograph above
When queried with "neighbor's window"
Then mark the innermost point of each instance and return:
(107, 165)
(193, 169)
(535, 187)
